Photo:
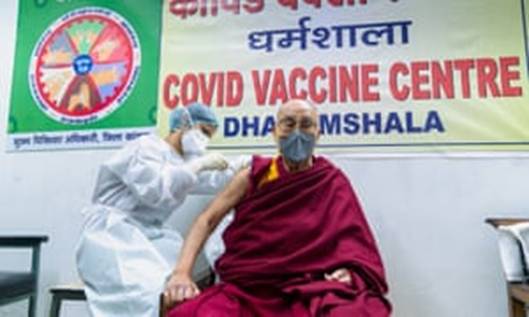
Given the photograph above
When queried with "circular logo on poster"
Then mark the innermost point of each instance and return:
(85, 65)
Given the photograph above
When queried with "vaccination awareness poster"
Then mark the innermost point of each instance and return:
(387, 76)
(85, 73)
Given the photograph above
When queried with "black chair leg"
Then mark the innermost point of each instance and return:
(55, 309)
(32, 310)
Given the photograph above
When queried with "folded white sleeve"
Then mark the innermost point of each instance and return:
(211, 182)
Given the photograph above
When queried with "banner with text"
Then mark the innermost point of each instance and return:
(388, 76)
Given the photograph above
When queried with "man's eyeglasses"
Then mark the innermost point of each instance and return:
(289, 124)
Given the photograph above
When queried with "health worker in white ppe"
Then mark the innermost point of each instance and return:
(125, 254)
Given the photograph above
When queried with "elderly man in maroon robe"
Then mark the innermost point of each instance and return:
(299, 245)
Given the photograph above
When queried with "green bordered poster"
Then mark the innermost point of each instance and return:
(85, 73)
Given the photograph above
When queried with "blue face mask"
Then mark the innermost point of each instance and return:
(297, 146)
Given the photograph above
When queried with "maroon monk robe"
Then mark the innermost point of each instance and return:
(286, 234)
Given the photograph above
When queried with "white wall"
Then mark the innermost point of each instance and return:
(427, 213)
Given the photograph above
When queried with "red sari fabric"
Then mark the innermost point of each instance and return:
(286, 234)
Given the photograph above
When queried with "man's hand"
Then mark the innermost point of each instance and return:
(340, 275)
(180, 287)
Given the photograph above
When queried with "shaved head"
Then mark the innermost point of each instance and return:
(297, 106)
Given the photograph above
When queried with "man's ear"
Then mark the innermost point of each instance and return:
(274, 133)
(318, 133)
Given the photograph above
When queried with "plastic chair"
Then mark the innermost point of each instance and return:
(517, 292)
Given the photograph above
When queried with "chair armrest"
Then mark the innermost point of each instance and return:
(496, 222)
(22, 241)
(205, 279)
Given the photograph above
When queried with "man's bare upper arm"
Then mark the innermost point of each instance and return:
(229, 197)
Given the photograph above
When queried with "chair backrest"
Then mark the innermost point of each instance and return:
(496, 222)
(28, 282)
(32, 242)
(518, 293)
(513, 246)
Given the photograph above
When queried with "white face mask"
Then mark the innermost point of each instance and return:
(194, 142)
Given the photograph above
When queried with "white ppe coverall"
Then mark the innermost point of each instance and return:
(125, 254)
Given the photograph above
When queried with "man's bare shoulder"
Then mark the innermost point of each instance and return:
(239, 183)
(242, 178)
